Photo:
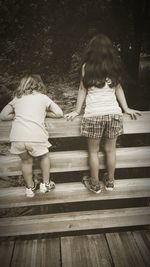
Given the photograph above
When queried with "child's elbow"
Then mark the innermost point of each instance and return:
(59, 114)
(6, 117)
(3, 117)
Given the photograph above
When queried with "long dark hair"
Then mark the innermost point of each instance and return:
(101, 61)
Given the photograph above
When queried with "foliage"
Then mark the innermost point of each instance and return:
(48, 37)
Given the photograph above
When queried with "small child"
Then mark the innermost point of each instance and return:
(101, 87)
(28, 137)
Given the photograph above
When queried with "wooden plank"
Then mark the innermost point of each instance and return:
(74, 192)
(74, 221)
(65, 161)
(6, 252)
(85, 251)
(147, 237)
(143, 246)
(63, 128)
(141, 125)
(124, 250)
(36, 253)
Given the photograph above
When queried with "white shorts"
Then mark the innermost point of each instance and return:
(35, 149)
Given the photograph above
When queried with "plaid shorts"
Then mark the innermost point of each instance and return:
(109, 126)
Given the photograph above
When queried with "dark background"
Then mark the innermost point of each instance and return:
(48, 37)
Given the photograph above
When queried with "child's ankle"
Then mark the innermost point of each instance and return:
(111, 179)
(30, 186)
(94, 181)
(46, 182)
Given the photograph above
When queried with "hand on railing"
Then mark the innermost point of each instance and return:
(71, 115)
(133, 113)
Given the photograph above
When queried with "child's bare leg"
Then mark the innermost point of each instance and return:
(110, 150)
(45, 167)
(27, 162)
(93, 149)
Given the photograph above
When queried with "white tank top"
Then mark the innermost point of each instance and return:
(101, 101)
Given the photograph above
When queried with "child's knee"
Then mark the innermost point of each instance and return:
(108, 148)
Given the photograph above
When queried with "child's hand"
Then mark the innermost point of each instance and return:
(133, 113)
(71, 115)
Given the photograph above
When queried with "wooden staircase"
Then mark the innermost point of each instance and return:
(70, 208)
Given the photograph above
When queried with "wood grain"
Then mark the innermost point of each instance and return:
(74, 221)
(36, 253)
(124, 250)
(85, 251)
(63, 128)
(143, 245)
(65, 161)
(75, 192)
(6, 252)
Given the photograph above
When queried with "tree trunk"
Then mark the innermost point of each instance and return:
(140, 10)
(130, 18)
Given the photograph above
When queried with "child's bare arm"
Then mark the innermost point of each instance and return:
(54, 111)
(80, 100)
(7, 113)
(122, 100)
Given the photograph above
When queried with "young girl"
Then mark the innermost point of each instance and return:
(101, 87)
(29, 138)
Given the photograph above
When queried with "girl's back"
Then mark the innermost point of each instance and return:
(30, 104)
(101, 101)
(31, 107)
(30, 112)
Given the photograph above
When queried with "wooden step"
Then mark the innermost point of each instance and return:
(75, 192)
(74, 221)
(65, 161)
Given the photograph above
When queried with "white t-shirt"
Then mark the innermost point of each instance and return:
(101, 101)
(29, 122)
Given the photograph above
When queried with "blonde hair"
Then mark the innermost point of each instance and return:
(28, 84)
